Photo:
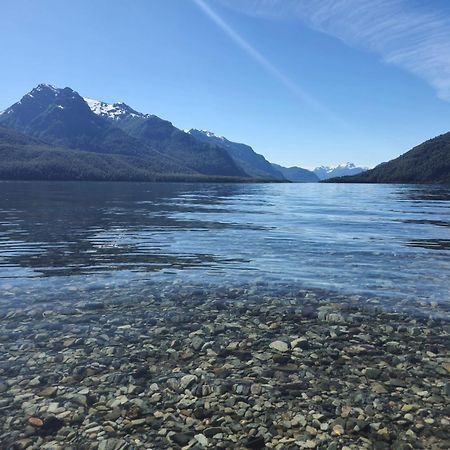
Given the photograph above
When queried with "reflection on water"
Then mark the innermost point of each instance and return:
(376, 240)
(433, 244)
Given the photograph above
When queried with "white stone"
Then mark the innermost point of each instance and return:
(280, 346)
(201, 439)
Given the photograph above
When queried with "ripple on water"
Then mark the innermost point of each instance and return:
(386, 242)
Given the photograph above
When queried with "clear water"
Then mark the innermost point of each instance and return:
(59, 240)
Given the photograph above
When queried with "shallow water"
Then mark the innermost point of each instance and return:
(64, 240)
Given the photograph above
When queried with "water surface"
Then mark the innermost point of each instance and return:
(60, 239)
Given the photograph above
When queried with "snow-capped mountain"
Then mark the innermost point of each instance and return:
(326, 172)
(38, 98)
(113, 111)
(61, 117)
(98, 140)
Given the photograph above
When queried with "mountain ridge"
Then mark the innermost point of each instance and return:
(61, 117)
(343, 169)
(163, 136)
(251, 162)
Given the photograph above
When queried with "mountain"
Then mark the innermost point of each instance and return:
(197, 155)
(429, 162)
(62, 118)
(297, 174)
(326, 172)
(243, 155)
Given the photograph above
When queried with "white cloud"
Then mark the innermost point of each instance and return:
(412, 35)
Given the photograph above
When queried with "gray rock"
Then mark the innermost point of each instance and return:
(182, 438)
(187, 381)
(212, 431)
(197, 343)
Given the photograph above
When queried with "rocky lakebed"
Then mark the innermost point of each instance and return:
(231, 368)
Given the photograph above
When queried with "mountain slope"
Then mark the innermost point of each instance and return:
(326, 172)
(243, 155)
(25, 158)
(429, 162)
(161, 135)
(297, 174)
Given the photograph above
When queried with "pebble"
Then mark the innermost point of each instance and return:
(201, 439)
(187, 380)
(279, 346)
(35, 422)
(235, 369)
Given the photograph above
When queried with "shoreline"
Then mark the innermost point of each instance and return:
(234, 370)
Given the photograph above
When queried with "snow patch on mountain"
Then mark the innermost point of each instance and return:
(113, 111)
(340, 170)
(207, 133)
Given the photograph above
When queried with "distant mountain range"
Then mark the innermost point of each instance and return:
(326, 172)
(56, 134)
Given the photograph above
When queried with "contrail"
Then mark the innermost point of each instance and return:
(265, 63)
(412, 35)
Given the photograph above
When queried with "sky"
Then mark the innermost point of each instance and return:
(304, 82)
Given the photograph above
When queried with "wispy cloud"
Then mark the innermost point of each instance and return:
(410, 34)
(270, 68)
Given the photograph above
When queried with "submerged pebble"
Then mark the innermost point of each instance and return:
(235, 368)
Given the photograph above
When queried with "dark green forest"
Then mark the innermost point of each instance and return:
(26, 158)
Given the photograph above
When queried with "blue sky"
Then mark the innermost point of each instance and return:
(304, 82)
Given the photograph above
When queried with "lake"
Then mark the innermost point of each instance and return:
(224, 316)
(87, 240)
